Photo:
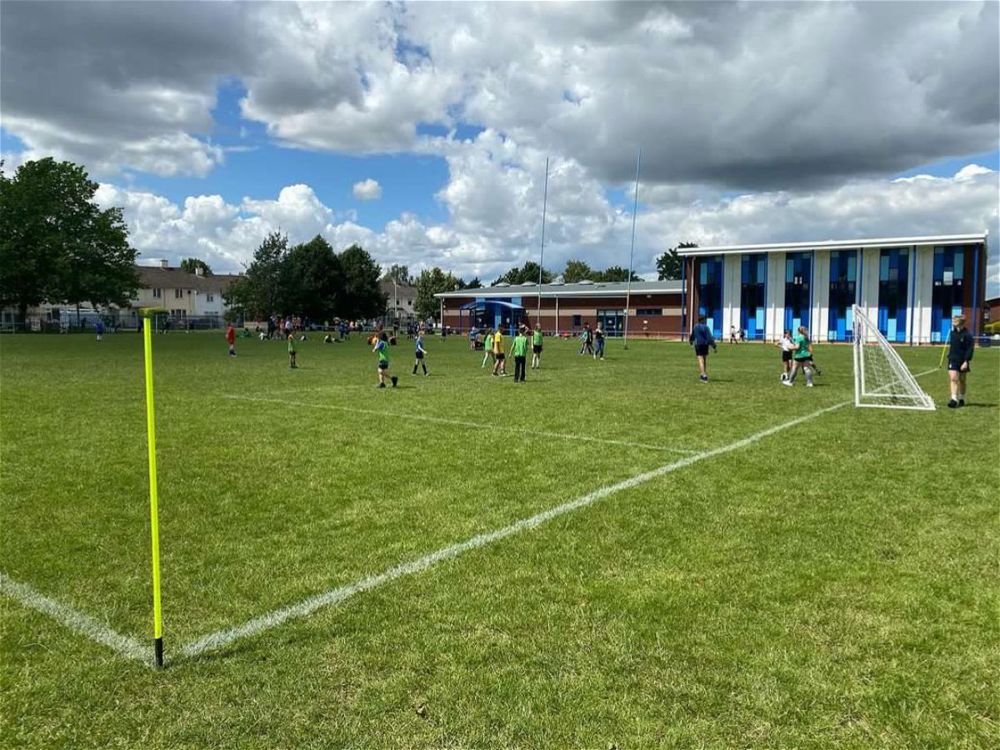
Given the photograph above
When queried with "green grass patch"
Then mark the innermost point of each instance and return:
(830, 585)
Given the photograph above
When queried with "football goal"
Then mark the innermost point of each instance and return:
(880, 377)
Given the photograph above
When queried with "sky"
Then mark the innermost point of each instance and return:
(421, 130)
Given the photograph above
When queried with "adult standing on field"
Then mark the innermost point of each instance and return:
(701, 338)
(802, 358)
(520, 351)
(960, 350)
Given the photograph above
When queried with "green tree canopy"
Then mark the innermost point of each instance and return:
(524, 274)
(361, 296)
(56, 244)
(429, 283)
(399, 274)
(191, 265)
(578, 270)
(313, 280)
(616, 273)
(260, 292)
(668, 265)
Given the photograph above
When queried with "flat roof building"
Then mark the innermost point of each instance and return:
(910, 286)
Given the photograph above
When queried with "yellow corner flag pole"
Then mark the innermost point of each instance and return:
(944, 349)
(147, 315)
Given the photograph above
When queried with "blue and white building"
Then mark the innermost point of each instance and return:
(911, 286)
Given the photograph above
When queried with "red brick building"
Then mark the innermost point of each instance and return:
(654, 307)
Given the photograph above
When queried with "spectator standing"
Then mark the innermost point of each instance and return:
(960, 350)
(519, 349)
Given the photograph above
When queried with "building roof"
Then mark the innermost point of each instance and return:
(157, 277)
(582, 289)
(946, 239)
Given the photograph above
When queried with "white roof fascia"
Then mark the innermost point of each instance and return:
(503, 292)
(946, 239)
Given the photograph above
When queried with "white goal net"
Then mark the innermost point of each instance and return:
(880, 377)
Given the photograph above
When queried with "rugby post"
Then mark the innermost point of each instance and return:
(148, 314)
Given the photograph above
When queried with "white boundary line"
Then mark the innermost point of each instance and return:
(461, 423)
(223, 638)
(75, 620)
(132, 649)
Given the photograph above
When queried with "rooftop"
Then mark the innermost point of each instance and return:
(557, 289)
(945, 239)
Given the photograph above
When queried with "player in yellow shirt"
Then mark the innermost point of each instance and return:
(500, 367)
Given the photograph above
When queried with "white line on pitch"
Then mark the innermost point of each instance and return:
(272, 619)
(462, 423)
(75, 620)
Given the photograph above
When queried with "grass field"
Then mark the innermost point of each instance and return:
(730, 577)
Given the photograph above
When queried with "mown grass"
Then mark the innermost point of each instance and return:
(831, 585)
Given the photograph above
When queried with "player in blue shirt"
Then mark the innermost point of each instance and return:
(701, 338)
(420, 352)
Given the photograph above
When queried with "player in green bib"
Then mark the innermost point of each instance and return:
(382, 350)
(536, 347)
(801, 358)
(519, 350)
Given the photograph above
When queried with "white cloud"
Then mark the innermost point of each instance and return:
(367, 190)
(772, 96)
(469, 245)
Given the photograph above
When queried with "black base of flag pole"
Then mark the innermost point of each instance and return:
(158, 652)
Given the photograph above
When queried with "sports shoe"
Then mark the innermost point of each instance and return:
(703, 378)
(789, 383)
(380, 385)
(809, 385)
(952, 404)
(393, 379)
(784, 377)
(961, 402)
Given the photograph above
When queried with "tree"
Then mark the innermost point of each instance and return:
(527, 273)
(399, 274)
(430, 283)
(191, 265)
(616, 273)
(361, 296)
(313, 279)
(474, 284)
(56, 244)
(261, 291)
(668, 265)
(577, 270)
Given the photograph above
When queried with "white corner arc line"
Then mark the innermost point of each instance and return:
(461, 423)
(223, 638)
(75, 620)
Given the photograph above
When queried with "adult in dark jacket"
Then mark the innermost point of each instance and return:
(959, 355)
(701, 338)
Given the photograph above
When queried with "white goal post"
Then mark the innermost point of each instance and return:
(881, 379)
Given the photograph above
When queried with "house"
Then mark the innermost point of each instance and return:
(401, 301)
(190, 298)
